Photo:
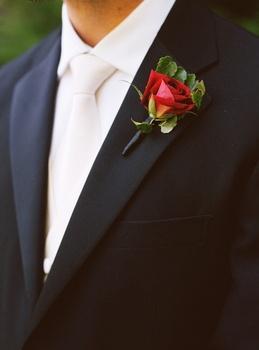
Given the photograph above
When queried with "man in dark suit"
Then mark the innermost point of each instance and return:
(162, 248)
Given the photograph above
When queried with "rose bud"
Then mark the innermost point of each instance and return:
(165, 96)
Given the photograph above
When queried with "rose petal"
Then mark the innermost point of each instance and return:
(154, 82)
(162, 110)
(180, 86)
(169, 102)
(165, 93)
(171, 95)
(181, 108)
(182, 98)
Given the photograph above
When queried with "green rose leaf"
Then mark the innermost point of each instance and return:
(138, 91)
(167, 66)
(198, 93)
(168, 125)
(144, 127)
(191, 81)
(197, 98)
(181, 74)
(201, 87)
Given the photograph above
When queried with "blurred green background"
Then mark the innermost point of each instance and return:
(25, 22)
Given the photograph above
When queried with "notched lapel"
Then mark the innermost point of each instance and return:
(30, 131)
(113, 178)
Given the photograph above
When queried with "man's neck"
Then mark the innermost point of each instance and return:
(94, 19)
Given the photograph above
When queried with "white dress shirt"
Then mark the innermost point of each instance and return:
(124, 48)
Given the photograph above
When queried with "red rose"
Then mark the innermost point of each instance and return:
(170, 95)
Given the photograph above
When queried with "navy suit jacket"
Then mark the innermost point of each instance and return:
(162, 250)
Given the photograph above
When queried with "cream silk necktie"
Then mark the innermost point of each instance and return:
(70, 166)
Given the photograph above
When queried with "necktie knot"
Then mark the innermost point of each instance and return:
(89, 73)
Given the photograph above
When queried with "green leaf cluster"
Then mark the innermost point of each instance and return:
(166, 65)
(198, 92)
(168, 125)
(145, 127)
(169, 67)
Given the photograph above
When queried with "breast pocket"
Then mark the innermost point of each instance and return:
(166, 233)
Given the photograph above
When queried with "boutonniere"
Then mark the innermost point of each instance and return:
(171, 94)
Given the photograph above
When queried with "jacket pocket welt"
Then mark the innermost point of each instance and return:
(166, 233)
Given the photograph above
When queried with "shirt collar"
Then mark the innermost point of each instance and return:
(71, 43)
(130, 40)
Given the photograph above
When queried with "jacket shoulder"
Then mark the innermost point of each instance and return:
(13, 70)
(235, 41)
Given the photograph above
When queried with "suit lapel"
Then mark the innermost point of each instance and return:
(114, 178)
(30, 130)
(190, 35)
